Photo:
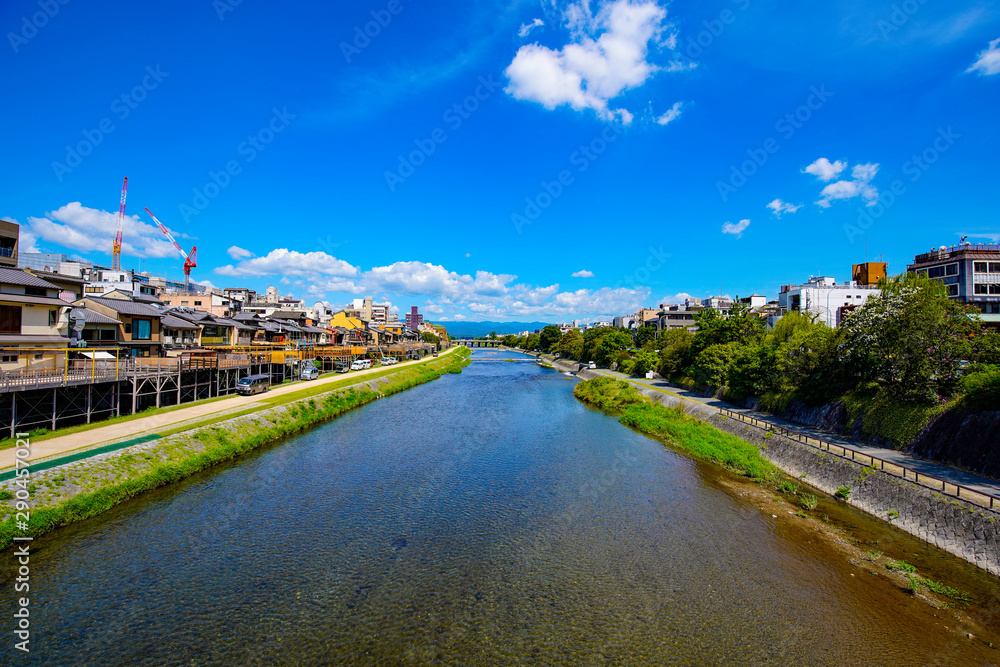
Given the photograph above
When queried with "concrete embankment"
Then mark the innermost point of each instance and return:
(85, 488)
(963, 529)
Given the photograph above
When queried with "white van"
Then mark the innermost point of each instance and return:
(361, 364)
(253, 384)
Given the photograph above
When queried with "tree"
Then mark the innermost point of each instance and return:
(611, 343)
(754, 370)
(571, 344)
(645, 361)
(531, 342)
(549, 337)
(645, 334)
(712, 365)
(675, 352)
(910, 338)
(430, 338)
(510, 340)
(493, 335)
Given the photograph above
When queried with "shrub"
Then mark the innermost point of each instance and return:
(843, 493)
(808, 501)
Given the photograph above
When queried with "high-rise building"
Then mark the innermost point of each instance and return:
(414, 319)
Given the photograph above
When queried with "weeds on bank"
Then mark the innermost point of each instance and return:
(673, 424)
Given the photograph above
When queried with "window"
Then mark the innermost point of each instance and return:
(197, 303)
(95, 290)
(10, 320)
(34, 291)
(982, 289)
(952, 290)
(141, 329)
(53, 316)
(951, 270)
(184, 303)
(921, 272)
(994, 289)
(994, 267)
(980, 267)
(108, 334)
(935, 272)
(8, 358)
(128, 327)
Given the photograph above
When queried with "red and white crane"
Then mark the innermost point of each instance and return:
(116, 247)
(190, 261)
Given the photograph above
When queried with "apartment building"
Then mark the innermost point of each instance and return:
(823, 297)
(970, 272)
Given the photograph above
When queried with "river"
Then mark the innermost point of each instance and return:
(485, 518)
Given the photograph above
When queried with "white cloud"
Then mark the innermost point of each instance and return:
(860, 186)
(779, 207)
(989, 60)
(284, 262)
(583, 274)
(737, 229)
(825, 170)
(528, 27)
(432, 308)
(237, 252)
(673, 114)
(78, 227)
(607, 55)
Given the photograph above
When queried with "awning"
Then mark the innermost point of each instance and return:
(98, 354)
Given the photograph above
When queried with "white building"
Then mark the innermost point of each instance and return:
(823, 297)
(272, 296)
(101, 281)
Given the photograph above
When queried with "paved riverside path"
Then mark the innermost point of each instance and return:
(195, 413)
(977, 483)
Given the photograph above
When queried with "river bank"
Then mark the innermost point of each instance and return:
(85, 488)
(787, 500)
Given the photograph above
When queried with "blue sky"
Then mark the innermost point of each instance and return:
(470, 158)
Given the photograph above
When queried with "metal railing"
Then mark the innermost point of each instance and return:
(915, 476)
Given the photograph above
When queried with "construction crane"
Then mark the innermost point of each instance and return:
(190, 261)
(116, 247)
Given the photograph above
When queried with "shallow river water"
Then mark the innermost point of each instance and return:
(485, 518)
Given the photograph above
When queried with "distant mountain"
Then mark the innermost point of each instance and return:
(476, 329)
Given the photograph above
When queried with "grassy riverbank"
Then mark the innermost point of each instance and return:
(61, 496)
(674, 425)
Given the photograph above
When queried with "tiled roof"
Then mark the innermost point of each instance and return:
(171, 322)
(94, 317)
(126, 307)
(19, 277)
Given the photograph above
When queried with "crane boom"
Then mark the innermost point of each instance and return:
(116, 247)
(167, 233)
(190, 261)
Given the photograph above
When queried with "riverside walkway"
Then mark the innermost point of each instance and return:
(191, 415)
(953, 476)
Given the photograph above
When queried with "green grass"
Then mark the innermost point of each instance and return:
(221, 445)
(674, 425)
(886, 416)
(843, 493)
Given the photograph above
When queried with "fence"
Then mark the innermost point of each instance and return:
(894, 469)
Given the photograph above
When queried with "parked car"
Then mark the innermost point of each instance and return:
(309, 373)
(361, 364)
(591, 365)
(253, 384)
